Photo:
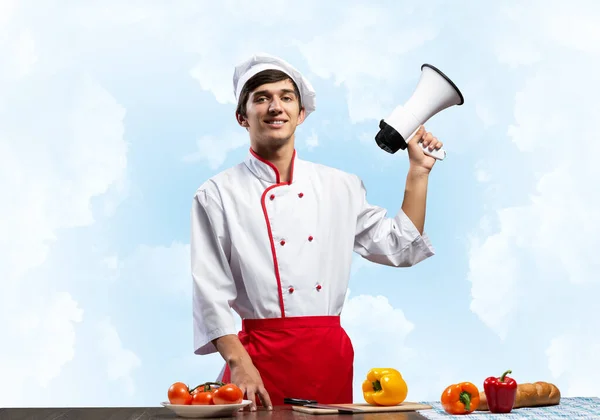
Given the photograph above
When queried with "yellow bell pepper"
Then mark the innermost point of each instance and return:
(384, 386)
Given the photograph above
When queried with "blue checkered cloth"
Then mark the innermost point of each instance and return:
(569, 408)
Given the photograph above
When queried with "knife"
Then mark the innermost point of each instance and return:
(315, 404)
(298, 401)
(341, 410)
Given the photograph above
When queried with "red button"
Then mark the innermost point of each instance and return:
(300, 195)
(272, 196)
(291, 290)
(310, 238)
(318, 287)
(282, 243)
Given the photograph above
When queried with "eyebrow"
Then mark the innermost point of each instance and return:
(266, 92)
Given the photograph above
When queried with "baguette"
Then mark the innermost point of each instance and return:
(535, 394)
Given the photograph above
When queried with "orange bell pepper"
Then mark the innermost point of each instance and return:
(461, 398)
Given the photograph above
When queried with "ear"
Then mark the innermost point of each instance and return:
(301, 116)
(241, 120)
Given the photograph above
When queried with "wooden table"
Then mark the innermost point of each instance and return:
(143, 413)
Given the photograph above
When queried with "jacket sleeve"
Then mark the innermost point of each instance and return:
(213, 284)
(388, 241)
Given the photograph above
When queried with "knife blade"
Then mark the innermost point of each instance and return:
(298, 401)
(342, 410)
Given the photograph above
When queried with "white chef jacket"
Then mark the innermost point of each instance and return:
(269, 249)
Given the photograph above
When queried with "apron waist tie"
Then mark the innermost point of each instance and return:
(290, 323)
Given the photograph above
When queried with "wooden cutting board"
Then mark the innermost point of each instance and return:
(367, 408)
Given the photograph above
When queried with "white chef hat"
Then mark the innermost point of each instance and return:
(263, 61)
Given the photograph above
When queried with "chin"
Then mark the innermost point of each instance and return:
(277, 139)
(280, 139)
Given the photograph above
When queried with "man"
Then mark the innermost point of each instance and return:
(272, 238)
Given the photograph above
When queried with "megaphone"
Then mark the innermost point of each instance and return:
(434, 93)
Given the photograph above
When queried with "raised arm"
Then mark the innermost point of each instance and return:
(415, 198)
(417, 180)
(393, 241)
(399, 241)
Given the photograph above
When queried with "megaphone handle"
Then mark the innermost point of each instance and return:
(439, 154)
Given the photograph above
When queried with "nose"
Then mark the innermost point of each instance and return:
(275, 105)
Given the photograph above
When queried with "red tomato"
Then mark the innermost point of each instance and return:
(200, 397)
(179, 394)
(227, 394)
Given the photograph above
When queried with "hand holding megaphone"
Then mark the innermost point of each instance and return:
(434, 93)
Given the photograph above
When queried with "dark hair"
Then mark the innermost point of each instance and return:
(265, 76)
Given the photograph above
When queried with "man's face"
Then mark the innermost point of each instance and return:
(272, 114)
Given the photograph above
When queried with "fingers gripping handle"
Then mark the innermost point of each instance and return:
(394, 129)
(439, 154)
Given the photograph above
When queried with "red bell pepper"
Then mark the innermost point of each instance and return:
(500, 393)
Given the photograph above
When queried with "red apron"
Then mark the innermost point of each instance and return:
(309, 357)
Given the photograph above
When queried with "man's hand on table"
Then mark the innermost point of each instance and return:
(245, 375)
(243, 372)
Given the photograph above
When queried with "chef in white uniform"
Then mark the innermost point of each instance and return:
(272, 238)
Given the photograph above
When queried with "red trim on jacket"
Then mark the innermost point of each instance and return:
(278, 183)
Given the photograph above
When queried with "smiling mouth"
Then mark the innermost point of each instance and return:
(276, 122)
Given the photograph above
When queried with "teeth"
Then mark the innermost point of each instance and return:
(276, 122)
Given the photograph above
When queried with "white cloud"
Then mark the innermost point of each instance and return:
(530, 34)
(571, 27)
(18, 47)
(542, 253)
(364, 51)
(481, 174)
(213, 149)
(61, 147)
(126, 338)
(515, 50)
(211, 77)
(159, 276)
(25, 53)
(485, 114)
(366, 137)
(7, 10)
(98, 150)
(312, 140)
(494, 272)
(368, 320)
(577, 357)
(161, 269)
(53, 167)
(216, 60)
(38, 335)
(120, 362)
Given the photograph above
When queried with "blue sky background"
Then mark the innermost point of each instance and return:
(112, 114)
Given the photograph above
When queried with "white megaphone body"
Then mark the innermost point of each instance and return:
(434, 93)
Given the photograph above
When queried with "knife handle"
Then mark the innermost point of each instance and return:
(298, 401)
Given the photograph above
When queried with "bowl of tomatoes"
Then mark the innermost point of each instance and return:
(210, 399)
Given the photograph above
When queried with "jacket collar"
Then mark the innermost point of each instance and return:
(265, 170)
